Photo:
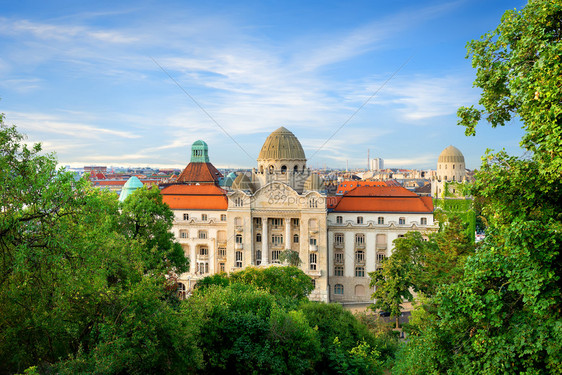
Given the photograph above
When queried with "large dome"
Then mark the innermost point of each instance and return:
(451, 155)
(282, 144)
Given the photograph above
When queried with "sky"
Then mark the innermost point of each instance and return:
(135, 83)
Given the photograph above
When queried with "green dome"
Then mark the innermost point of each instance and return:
(131, 185)
(199, 152)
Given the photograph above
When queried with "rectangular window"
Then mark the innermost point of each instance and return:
(277, 239)
(238, 263)
(338, 271)
(312, 241)
(339, 219)
(222, 252)
(313, 258)
(222, 267)
(203, 267)
(276, 222)
(295, 222)
(258, 237)
(275, 256)
(338, 257)
(184, 234)
(359, 219)
(203, 217)
(223, 217)
(359, 256)
(338, 289)
(423, 221)
(338, 239)
(257, 221)
(381, 220)
(203, 251)
(202, 234)
(238, 238)
(359, 271)
(360, 239)
(380, 258)
(402, 221)
(186, 216)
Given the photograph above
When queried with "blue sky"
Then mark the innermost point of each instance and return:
(80, 78)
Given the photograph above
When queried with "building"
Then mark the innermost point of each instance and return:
(450, 171)
(248, 219)
(377, 164)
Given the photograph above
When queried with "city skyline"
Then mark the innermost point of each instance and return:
(92, 84)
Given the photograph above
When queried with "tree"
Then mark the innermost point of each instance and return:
(504, 315)
(79, 292)
(290, 257)
(392, 283)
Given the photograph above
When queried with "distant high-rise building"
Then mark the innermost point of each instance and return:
(377, 164)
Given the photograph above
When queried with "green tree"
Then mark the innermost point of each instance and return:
(504, 315)
(392, 283)
(290, 257)
(75, 284)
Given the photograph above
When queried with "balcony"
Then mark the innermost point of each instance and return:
(381, 246)
(312, 247)
(315, 273)
(338, 245)
(238, 246)
(359, 245)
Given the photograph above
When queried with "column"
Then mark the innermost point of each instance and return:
(288, 233)
(264, 242)
(193, 260)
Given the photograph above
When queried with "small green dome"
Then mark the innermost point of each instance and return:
(199, 152)
(131, 185)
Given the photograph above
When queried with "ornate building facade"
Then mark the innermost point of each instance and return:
(227, 224)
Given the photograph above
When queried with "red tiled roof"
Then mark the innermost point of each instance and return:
(199, 172)
(195, 197)
(346, 186)
(381, 199)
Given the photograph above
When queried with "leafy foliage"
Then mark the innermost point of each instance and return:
(76, 280)
(290, 257)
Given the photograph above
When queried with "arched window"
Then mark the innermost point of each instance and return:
(258, 237)
(296, 238)
(283, 169)
(271, 169)
(296, 168)
(338, 289)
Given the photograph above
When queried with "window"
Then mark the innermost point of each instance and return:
(338, 271)
(423, 221)
(453, 166)
(295, 222)
(222, 252)
(380, 258)
(203, 267)
(258, 257)
(338, 257)
(312, 241)
(360, 239)
(277, 239)
(359, 219)
(222, 267)
(238, 202)
(313, 258)
(276, 222)
(223, 217)
(238, 238)
(283, 169)
(296, 238)
(339, 219)
(181, 291)
(338, 239)
(381, 220)
(202, 234)
(401, 221)
(400, 236)
(203, 217)
(186, 216)
(312, 203)
(338, 289)
(359, 256)
(184, 234)
(313, 284)
(359, 271)
(275, 256)
(257, 221)
(258, 237)
(238, 259)
(203, 251)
